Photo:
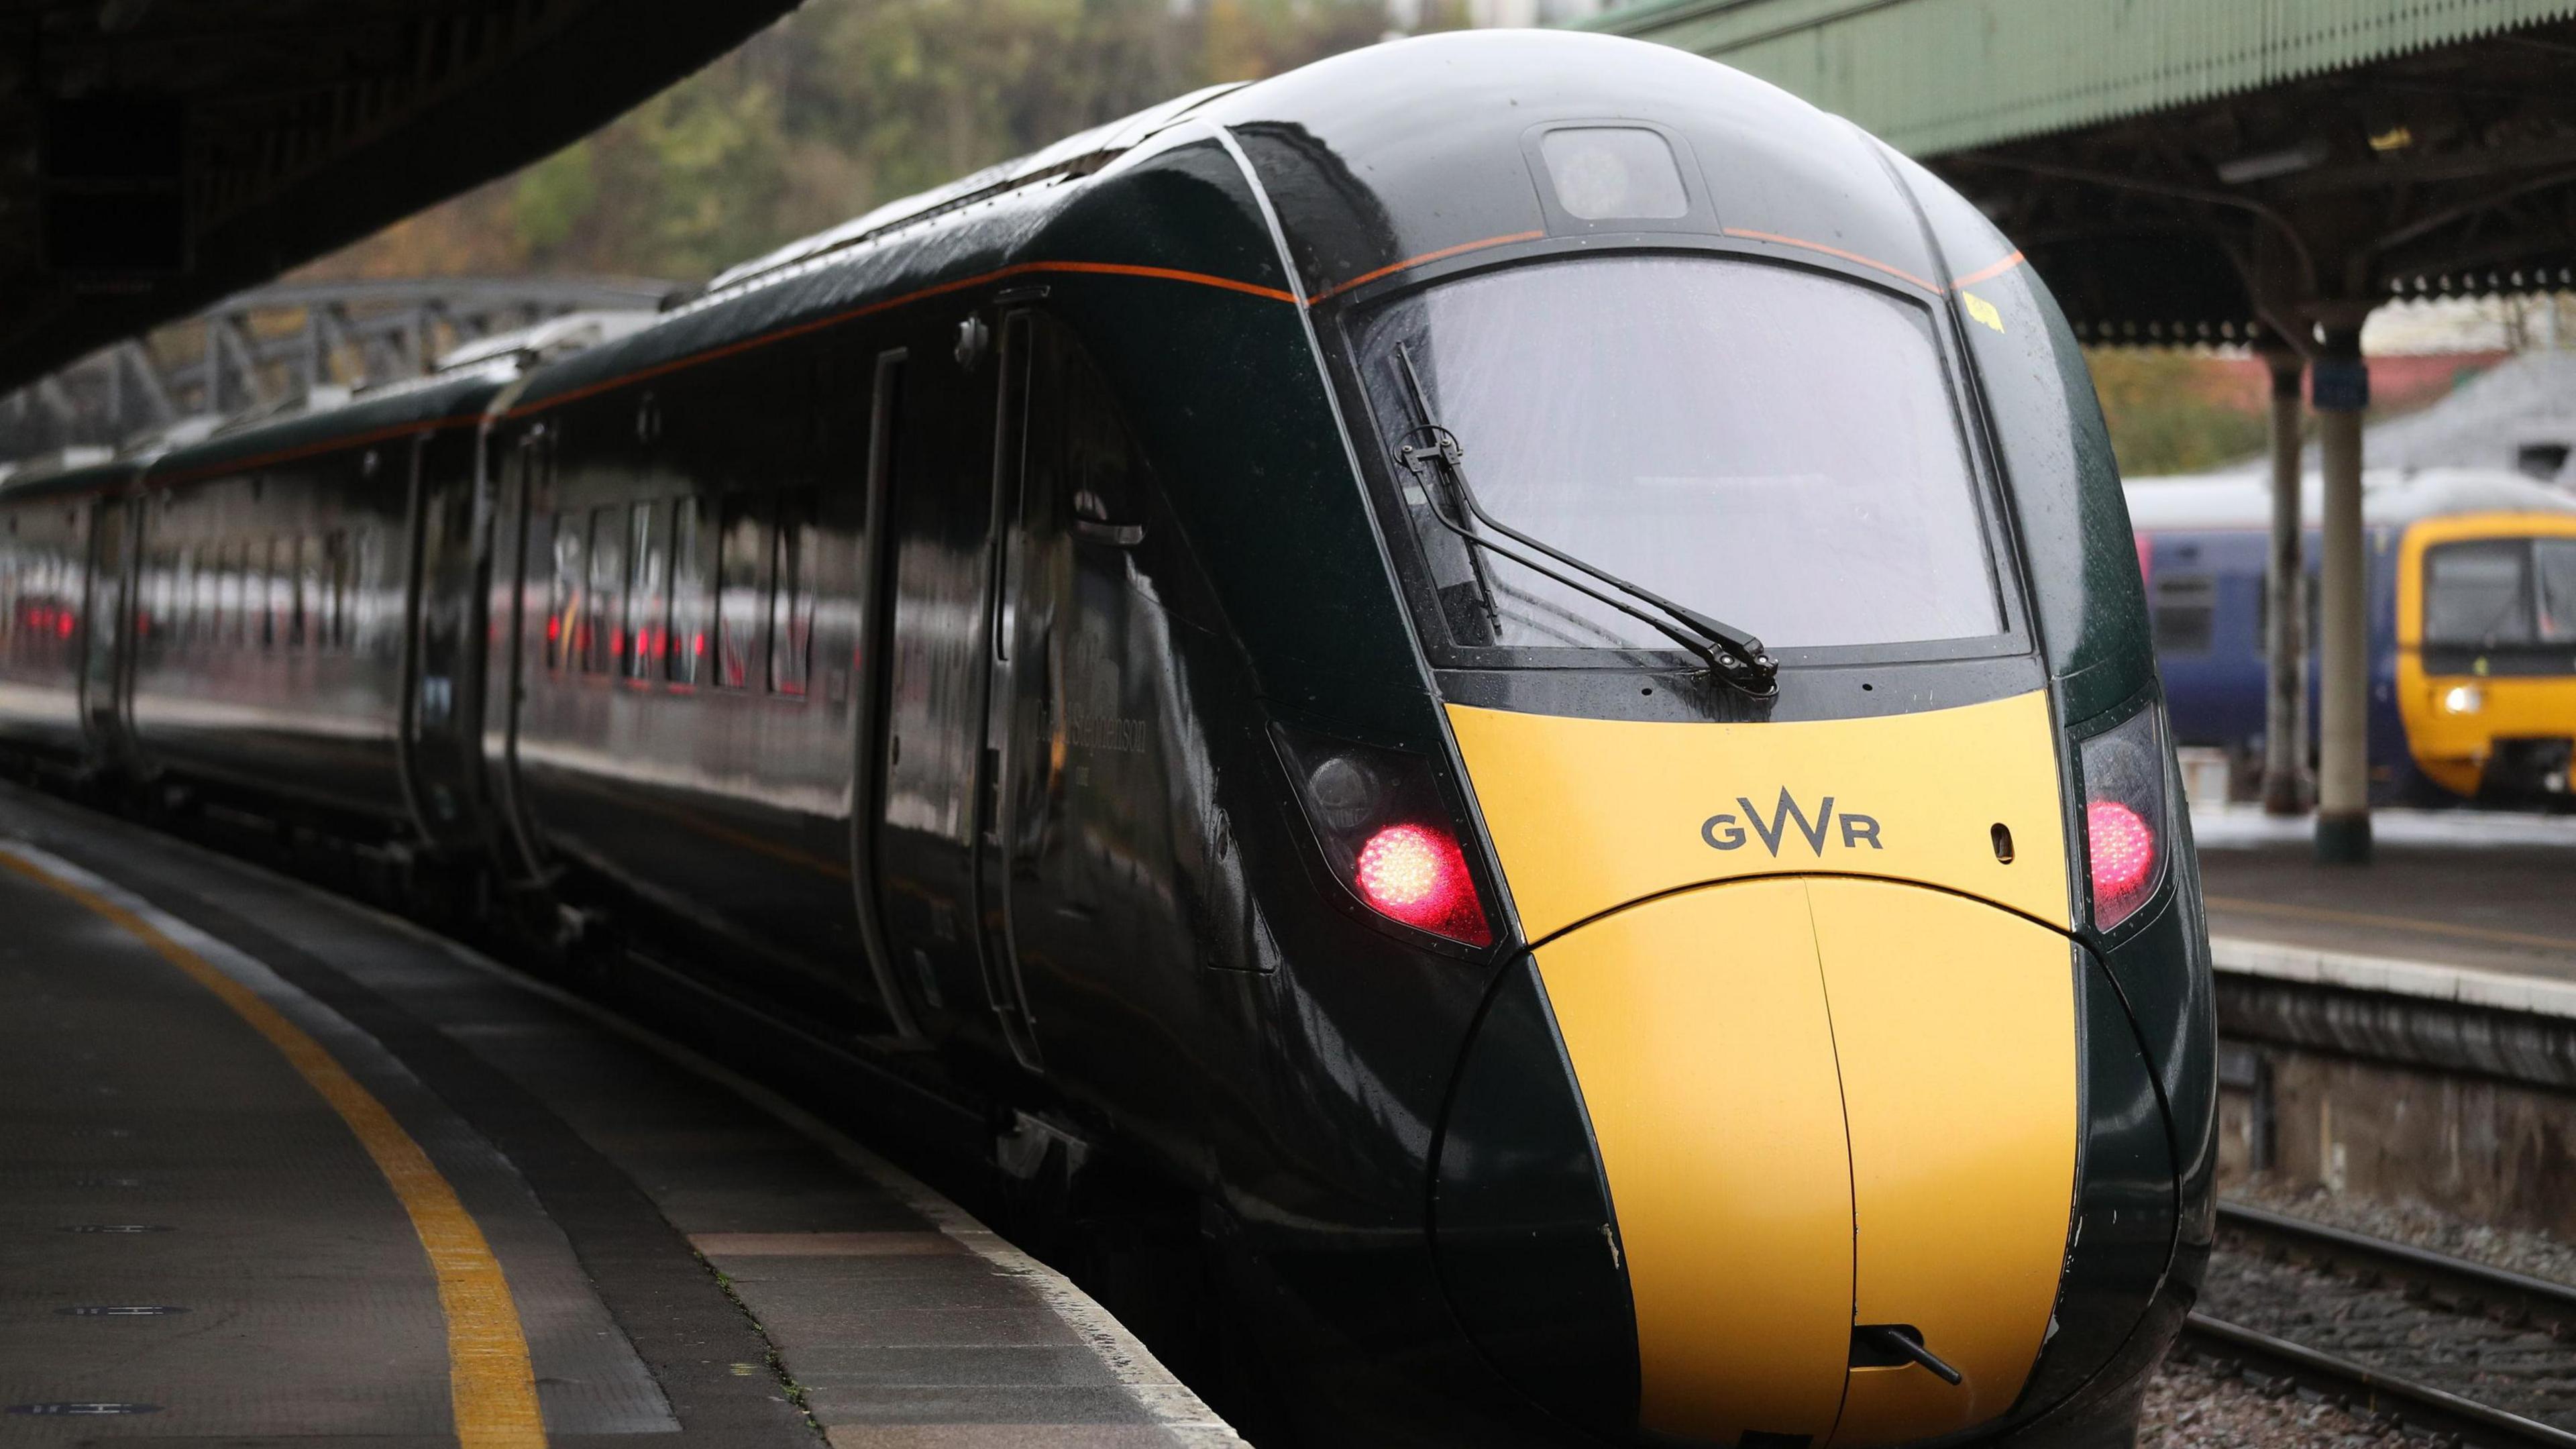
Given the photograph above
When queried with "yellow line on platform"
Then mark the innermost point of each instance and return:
(490, 1384)
(2403, 923)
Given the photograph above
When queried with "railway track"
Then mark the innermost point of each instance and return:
(2508, 1310)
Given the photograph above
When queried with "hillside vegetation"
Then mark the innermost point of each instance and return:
(840, 106)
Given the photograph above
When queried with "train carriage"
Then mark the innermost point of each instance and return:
(2470, 592)
(1513, 663)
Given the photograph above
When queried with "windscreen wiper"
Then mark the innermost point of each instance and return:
(1730, 653)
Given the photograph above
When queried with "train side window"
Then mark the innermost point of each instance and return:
(2554, 571)
(179, 601)
(227, 592)
(563, 606)
(2186, 613)
(245, 602)
(2478, 593)
(688, 653)
(196, 563)
(201, 594)
(742, 603)
(336, 560)
(648, 598)
(604, 648)
(791, 614)
(276, 569)
(308, 590)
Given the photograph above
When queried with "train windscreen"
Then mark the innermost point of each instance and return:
(2500, 591)
(1768, 446)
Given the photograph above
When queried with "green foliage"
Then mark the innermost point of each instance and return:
(551, 198)
(843, 105)
(2165, 414)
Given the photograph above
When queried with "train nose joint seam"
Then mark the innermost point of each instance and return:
(1893, 1345)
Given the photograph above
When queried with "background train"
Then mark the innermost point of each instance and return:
(1383, 656)
(2471, 588)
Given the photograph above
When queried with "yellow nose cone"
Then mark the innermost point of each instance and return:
(1824, 1103)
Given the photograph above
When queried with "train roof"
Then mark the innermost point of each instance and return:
(391, 411)
(2389, 497)
(71, 472)
(1373, 161)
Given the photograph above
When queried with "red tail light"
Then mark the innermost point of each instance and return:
(1380, 820)
(1418, 875)
(2122, 848)
(2125, 815)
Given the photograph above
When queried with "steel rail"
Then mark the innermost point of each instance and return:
(2370, 1390)
(2456, 1284)
(2461, 1285)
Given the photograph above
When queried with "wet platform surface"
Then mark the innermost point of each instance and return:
(277, 1170)
(2481, 890)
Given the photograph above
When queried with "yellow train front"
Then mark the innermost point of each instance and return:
(2470, 607)
(2485, 657)
(1847, 1076)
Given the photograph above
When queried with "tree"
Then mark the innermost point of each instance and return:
(841, 106)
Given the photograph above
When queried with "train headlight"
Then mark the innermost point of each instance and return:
(2125, 809)
(1385, 833)
(2463, 699)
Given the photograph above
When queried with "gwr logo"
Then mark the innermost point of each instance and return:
(1723, 833)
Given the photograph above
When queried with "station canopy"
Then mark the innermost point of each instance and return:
(2188, 170)
(158, 154)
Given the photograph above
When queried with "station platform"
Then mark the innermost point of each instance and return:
(2476, 891)
(284, 1171)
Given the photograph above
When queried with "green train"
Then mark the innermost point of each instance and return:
(1512, 663)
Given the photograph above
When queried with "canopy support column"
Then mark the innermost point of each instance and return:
(2285, 589)
(2341, 390)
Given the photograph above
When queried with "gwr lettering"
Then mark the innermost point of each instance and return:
(1722, 832)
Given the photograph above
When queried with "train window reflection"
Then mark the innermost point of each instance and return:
(2478, 593)
(1771, 447)
(183, 594)
(688, 595)
(2554, 566)
(341, 629)
(2186, 613)
(791, 629)
(742, 605)
(307, 620)
(648, 596)
(603, 644)
(277, 587)
(228, 594)
(2493, 591)
(564, 616)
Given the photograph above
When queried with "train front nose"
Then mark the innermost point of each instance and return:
(1826, 1111)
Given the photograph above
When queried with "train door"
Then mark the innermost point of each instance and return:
(1101, 932)
(441, 616)
(104, 644)
(875, 594)
(927, 776)
(522, 539)
(1013, 694)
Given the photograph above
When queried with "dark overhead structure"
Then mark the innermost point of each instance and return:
(158, 154)
(2250, 171)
